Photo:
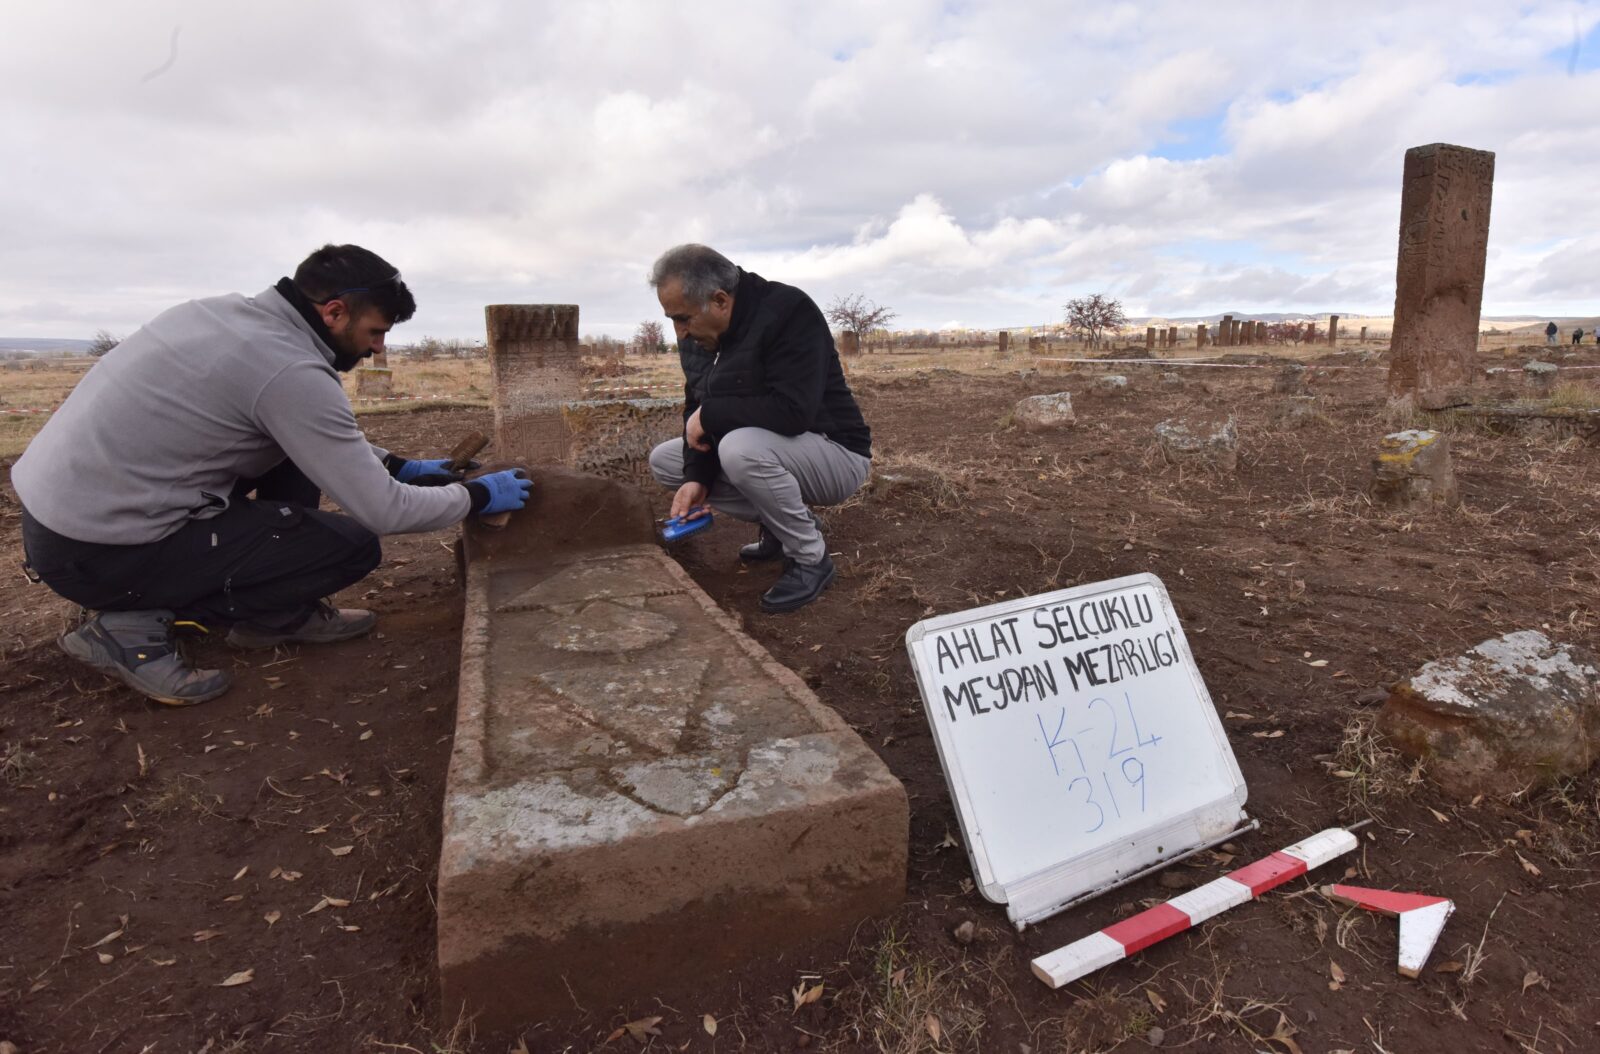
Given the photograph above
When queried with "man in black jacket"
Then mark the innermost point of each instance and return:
(770, 426)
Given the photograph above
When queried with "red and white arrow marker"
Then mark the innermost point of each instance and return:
(1132, 935)
(1422, 918)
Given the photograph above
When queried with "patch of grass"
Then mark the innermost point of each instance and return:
(912, 1004)
(1369, 768)
(15, 764)
(1573, 395)
(181, 793)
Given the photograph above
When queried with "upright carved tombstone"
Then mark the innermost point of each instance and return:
(1004, 342)
(1225, 331)
(850, 343)
(1172, 336)
(1201, 337)
(1149, 338)
(1333, 330)
(533, 350)
(1444, 243)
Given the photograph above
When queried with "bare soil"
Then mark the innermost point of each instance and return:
(291, 827)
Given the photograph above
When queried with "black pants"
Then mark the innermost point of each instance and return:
(265, 561)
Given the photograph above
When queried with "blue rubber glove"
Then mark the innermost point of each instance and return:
(429, 472)
(503, 491)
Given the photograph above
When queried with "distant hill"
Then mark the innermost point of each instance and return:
(44, 345)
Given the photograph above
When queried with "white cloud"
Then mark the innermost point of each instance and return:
(981, 161)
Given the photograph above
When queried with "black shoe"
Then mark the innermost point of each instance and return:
(765, 547)
(798, 586)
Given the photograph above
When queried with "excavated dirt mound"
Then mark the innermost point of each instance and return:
(290, 828)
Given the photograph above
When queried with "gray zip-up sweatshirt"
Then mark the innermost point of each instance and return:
(211, 392)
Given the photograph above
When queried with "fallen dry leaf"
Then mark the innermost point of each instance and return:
(162, 962)
(1318, 662)
(236, 979)
(1345, 774)
(803, 995)
(343, 850)
(1449, 967)
(1528, 866)
(1437, 815)
(709, 1023)
(106, 957)
(272, 917)
(935, 1030)
(201, 936)
(107, 939)
(1337, 975)
(242, 872)
(643, 1028)
(366, 735)
(1156, 1001)
(1531, 978)
(1274, 734)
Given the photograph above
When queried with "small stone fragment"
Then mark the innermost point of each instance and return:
(1515, 711)
(1204, 440)
(1041, 413)
(1113, 382)
(1291, 380)
(1156, 1036)
(965, 932)
(1413, 471)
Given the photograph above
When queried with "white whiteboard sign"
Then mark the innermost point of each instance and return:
(1078, 740)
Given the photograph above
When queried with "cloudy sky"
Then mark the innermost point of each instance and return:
(970, 164)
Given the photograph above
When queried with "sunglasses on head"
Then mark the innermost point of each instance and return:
(393, 280)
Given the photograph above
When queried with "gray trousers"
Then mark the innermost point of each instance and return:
(771, 478)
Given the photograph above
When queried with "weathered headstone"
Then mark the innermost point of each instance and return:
(1515, 712)
(1201, 337)
(1041, 413)
(534, 355)
(849, 343)
(1363, 337)
(1225, 331)
(1261, 332)
(1002, 342)
(1444, 243)
(1150, 338)
(1211, 441)
(374, 382)
(1234, 327)
(1172, 336)
(1413, 471)
(1333, 330)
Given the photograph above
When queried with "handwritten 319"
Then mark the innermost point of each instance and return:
(1105, 774)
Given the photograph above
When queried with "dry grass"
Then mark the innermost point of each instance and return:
(1369, 768)
(16, 762)
(912, 1004)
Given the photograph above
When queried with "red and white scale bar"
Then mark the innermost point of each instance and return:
(1133, 935)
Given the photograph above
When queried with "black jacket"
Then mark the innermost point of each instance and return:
(775, 368)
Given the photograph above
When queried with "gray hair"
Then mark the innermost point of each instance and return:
(701, 269)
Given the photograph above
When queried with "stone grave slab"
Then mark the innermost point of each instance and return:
(640, 798)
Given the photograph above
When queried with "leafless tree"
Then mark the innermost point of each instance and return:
(1095, 317)
(649, 340)
(856, 314)
(102, 343)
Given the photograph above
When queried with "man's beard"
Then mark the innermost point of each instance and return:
(345, 356)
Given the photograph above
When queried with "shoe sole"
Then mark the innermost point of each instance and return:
(263, 643)
(796, 605)
(86, 652)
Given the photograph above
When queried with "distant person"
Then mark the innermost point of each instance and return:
(1550, 333)
(135, 492)
(1577, 336)
(770, 426)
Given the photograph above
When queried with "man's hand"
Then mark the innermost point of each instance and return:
(695, 435)
(428, 472)
(690, 497)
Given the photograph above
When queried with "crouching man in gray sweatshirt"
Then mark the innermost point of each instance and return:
(136, 493)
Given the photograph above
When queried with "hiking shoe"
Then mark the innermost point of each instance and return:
(765, 547)
(138, 647)
(326, 625)
(798, 586)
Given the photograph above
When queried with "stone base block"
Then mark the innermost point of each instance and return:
(1042, 413)
(374, 382)
(1211, 442)
(1291, 380)
(1515, 711)
(1413, 471)
(640, 798)
(1112, 382)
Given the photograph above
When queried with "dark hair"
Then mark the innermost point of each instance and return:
(700, 269)
(359, 277)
